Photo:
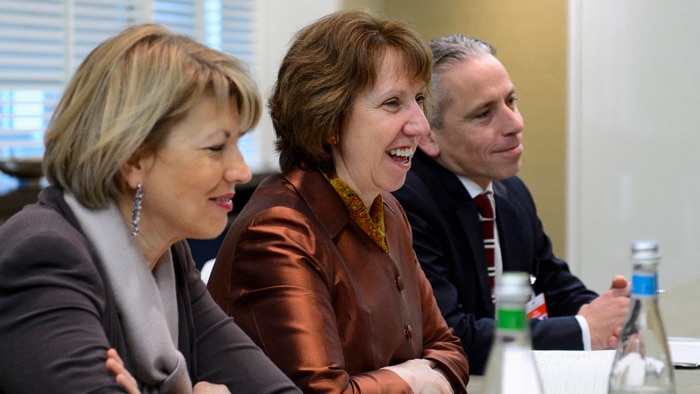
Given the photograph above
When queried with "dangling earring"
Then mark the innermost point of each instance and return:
(332, 140)
(136, 213)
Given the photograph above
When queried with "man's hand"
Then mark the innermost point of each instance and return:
(620, 284)
(606, 314)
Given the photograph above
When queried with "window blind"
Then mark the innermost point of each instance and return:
(31, 72)
(42, 42)
(237, 36)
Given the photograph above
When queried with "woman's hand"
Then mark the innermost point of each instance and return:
(422, 376)
(210, 388)
(115, 365)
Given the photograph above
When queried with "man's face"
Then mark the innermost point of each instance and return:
(481, 137)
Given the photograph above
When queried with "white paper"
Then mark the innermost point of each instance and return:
(685, 352)
(575, 372)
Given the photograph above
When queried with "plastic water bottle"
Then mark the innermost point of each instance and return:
(642, 361)
(511, 365)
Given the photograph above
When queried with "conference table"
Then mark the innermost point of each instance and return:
(680, 312)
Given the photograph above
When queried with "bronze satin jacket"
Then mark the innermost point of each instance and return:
(321, 299)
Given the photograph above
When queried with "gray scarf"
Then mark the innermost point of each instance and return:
(146, 300)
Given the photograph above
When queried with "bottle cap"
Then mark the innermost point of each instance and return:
(645, 250)
(513, 286)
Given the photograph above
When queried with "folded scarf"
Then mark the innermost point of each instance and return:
(146, 300)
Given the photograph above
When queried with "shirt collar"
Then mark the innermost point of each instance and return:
(473, 188)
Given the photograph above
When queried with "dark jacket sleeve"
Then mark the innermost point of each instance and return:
(224, 353)
(52, 300)
(526, 246)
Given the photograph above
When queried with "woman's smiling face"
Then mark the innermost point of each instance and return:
(188, 185)
(381, 133)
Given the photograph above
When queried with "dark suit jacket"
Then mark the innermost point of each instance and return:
(327, 304)
(447, 239)
(59, 316)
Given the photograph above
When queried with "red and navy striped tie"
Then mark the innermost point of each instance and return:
(485, 207)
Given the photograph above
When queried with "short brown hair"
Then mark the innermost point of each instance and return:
(329, 63)
(125, 97)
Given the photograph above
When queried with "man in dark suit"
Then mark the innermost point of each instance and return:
(475, 147)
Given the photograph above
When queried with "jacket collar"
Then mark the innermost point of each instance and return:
(323, 200)
(429, 169)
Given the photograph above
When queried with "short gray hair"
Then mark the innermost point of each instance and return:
(448, 51)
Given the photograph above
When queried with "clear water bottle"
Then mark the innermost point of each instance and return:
(511, 366)
(642, 361)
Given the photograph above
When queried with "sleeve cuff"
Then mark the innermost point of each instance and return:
(585, 332)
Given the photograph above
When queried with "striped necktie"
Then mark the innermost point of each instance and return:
(487, 217)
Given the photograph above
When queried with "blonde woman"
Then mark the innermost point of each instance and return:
(141, 153)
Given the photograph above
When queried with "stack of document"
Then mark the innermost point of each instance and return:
(685, 352)
(578, 372)
(574, 372)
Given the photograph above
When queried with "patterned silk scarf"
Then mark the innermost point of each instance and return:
(372, 222)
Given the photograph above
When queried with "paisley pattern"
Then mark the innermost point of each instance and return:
(372, 221)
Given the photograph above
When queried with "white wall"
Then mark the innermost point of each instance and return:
(634, 136)
(278, 21)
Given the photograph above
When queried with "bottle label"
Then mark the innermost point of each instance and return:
(644, 284)
(510, 319)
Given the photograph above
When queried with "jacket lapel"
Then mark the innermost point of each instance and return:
(505, 221)
(456, 195)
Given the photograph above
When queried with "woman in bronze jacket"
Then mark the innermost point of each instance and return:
(318, 268)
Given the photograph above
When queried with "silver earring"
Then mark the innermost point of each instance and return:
(136, 213)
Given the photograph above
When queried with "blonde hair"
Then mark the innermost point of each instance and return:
(124, 99)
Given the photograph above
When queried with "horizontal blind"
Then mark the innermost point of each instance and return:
(93, 21)
(32, 49)
(42, 42)
(237, 37)
(181, 16)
